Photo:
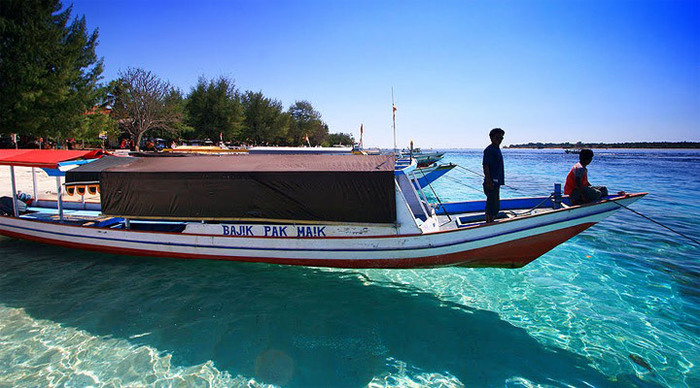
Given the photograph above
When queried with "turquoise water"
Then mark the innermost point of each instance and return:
(618, 305)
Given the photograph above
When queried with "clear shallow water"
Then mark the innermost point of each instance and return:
(625, 287)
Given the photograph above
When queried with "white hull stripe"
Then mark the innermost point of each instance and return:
(97, 239)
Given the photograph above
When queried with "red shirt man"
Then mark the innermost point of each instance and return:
(577, 187)
(578, 173)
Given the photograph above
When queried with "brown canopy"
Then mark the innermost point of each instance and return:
(344, 188)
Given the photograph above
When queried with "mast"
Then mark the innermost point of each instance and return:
(393, 118)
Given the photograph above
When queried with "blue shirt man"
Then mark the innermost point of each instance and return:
(494, 175)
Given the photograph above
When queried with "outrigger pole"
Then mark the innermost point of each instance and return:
(15, 212)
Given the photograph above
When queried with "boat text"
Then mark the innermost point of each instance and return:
(273, 231)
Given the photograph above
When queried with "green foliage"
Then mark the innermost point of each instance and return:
(48, 68)
(92, 126)
(264, 122)
(142, 102)
(346, 139)
(48, 88)
(305, 121)
(214, 107)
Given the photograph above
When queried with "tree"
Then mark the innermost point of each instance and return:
(48, 68)
(264, 121)
(214, 108)
(305, 121)
(94, 124)
(143, 102)
(339, 138)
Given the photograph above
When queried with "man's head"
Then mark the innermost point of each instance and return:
(585, 156)
(496, 136)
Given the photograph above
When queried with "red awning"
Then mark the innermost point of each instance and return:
(43, 158)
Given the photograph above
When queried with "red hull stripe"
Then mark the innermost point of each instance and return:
(512, 254)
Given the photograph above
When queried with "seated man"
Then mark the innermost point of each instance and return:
(577, 187)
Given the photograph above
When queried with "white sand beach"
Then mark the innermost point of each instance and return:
(46, 185)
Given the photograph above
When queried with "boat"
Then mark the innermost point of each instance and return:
(312, 210)
(197, 147)
(423, 159)
(425, 173)
(424, 176)
(339, 150)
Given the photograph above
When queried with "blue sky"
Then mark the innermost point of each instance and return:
(549, 71)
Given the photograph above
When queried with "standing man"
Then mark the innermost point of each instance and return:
(494, 176)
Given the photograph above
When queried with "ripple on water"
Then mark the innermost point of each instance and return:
(38, 352)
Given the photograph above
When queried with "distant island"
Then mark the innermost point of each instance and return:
(578, 145)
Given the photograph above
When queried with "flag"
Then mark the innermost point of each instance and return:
(393, 111)
(361, 131)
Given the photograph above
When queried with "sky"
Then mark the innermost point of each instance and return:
(543, 70)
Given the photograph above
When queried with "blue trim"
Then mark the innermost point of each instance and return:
(506, 204)
(56, 172)
(426, 179)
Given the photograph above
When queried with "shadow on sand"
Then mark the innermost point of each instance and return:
(291, 326)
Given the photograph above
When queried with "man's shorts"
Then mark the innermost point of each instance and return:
(493, 200)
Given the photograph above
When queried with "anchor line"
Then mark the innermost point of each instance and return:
(536, 206)
(461, 183)
(435, 194)
(658, 223)
(482, 175)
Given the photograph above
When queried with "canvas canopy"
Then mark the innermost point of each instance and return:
(43, 158)
(343, 188)
(90, 173)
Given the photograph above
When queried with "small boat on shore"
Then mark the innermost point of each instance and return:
(300, 150)
(344, 211)
(204, 149)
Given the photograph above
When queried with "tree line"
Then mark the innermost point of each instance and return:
(637, 145)
(50, 89)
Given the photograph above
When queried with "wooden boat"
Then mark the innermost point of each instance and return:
(300, 150)
(313, 210)
(426, 173)
(205, 149)
(423, 159)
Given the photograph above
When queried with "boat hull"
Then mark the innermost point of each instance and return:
(512, 243)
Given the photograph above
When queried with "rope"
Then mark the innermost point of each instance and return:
(435, 194)
(460, 183)
(536, 206)
(658, 223)
(482, 175)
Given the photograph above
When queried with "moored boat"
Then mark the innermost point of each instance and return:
(423, 159)
(316, 210)
(300, 150)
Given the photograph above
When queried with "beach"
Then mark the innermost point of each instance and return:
(46, 188)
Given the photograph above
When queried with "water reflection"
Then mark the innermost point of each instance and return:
(291, 326)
